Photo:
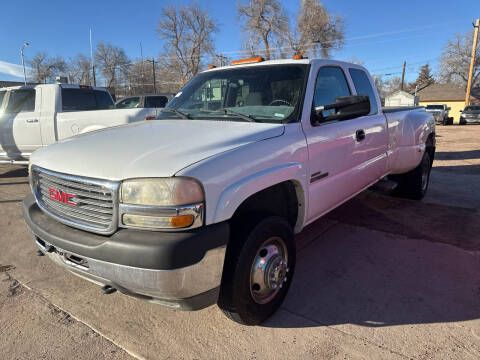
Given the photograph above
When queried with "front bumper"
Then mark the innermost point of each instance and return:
(181, 270)
(470, 120)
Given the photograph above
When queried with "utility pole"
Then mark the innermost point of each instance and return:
(153, 69)
(142, 68)
(91, 60)
(23, 63)
(403, 74)
(220, 58)
(472, 62)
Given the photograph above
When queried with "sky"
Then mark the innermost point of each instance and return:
(381, 34)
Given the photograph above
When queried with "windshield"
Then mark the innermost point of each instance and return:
(434, 107)
(472, 108)
(256, 93)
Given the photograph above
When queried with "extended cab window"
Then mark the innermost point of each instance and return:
(21, 101)
(85, 99)
(128, 103)
(364, 87)
(155, 101)
(330, 84)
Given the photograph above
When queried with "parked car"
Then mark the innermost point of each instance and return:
(203, 205)
(439, 112)
(144, 101)
(35, 116)
(470, 115)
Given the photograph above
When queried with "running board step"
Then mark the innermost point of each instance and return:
(384, 186)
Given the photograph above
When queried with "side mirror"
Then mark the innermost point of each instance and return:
(449, 108)
(346, 107)
(461, 110)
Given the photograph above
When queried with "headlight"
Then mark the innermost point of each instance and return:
(162, 203)
(162, 192)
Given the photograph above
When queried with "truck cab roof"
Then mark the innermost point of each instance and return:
(65, 86)
(287, 61)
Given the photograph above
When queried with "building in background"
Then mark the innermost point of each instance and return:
(401, 98)
(449, 94)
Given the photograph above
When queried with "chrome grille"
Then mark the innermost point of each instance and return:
(84, 203)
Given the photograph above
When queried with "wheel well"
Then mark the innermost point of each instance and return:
(430, 146)
(280, 199)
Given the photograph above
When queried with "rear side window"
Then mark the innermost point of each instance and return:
(363, 86)
(85, 99)
(21, 101)
(331, 83)
(155, 101)
(104, 100)
(2, 96)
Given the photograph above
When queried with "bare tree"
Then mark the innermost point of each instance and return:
(44, 68)
(317, 31)
(79, 70)
(188, 35)
(455, 60)
(113, 63)
(265, 22)
(392, 84)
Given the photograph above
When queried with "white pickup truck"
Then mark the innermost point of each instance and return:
(203, 206)
(35, 116)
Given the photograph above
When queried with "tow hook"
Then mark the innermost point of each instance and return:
(108, 289)
(48, 249)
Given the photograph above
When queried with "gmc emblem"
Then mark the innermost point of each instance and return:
(62, 197)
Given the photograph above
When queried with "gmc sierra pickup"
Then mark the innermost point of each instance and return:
(35, 116)
(201, 205)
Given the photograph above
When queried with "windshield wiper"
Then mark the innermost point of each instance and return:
(182, 114)
(230, 112)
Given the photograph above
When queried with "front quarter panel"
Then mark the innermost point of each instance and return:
(229, 178)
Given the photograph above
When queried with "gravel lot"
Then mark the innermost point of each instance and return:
(379, 277)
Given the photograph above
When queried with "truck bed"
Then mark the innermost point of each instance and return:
(392, 109)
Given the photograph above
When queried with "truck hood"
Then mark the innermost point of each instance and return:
(158, 148)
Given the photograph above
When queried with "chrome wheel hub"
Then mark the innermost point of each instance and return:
(269, 270)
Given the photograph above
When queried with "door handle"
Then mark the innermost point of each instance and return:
(360, 135)
(32, 120)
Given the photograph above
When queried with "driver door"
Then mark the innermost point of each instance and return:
(335, 153)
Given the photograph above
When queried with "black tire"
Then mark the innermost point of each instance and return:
(236, 297)
(414, 184)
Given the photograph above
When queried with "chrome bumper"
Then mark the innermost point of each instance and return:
(176, 288)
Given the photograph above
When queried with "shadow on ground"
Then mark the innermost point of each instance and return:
(414, 219)
(19, 172)
(457, 155)
(355, 276)
(460, 169)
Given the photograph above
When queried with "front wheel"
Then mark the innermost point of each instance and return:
(258, 270)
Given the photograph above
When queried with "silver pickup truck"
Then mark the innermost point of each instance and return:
(439, 112)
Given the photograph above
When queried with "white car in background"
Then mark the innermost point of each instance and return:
(35, 116)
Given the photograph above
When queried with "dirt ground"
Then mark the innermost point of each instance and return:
(379, 277)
